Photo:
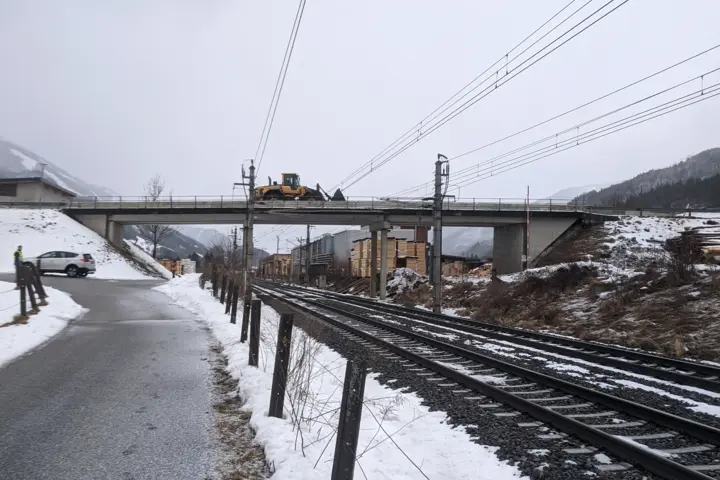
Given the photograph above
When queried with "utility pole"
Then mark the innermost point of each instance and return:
(249, 237)
(248, 181)
(277, 258)
(233, 255)
(301, 252)
(307, 256)
(527, 230)
(437, 231)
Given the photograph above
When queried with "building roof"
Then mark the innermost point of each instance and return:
(38, 180)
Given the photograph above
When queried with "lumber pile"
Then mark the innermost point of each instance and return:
(699, 244)
(400, 253)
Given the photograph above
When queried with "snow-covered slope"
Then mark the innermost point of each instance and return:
(40, 231)
(16, 161)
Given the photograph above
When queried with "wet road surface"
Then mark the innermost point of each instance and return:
(124, 393)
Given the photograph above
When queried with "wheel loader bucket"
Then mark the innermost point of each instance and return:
(338, 196)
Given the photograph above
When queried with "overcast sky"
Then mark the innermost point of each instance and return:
(116, 90)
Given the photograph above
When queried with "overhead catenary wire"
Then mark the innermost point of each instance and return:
(279, 84)
(576, 128)
(600, 132)
(429, 116)
(484, 93)
(509, 74)
(425, 185)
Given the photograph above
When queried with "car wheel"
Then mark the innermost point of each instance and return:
(72, 271)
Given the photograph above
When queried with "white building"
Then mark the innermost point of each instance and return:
(32, 189)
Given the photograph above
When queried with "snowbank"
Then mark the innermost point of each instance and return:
(644, 237)
(40, 231)
(16, 340)
(392, 420)
(404, 279)
(143, 257)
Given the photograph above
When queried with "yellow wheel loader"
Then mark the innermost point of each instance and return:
(290, 189)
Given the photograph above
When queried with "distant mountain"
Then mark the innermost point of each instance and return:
(697, 167)
(16, 161)
(467, 241)
(567, 195)
(204, 235)
(174, 246)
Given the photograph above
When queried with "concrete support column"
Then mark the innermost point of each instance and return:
(383, 263)
(115, 234)
(373, 264)
(508, 243)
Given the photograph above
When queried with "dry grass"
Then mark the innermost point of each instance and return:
(585, 242)
(242, 458)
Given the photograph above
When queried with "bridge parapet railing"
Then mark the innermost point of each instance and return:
(350, 203)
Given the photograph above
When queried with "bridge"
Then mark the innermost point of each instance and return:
(508, 217)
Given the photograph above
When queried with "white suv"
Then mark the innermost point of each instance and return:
(72, 264)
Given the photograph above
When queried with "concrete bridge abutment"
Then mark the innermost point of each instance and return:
(509, 242)
(105, 227)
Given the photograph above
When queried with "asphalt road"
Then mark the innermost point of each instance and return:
(124, 393)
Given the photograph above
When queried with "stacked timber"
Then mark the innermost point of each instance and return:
(415, 256)
(361, 255)
(698, 244)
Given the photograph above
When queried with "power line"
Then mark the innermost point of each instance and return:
(597, 133)
(563, 114)
(509, 74)
(279, 84)
(440, 109)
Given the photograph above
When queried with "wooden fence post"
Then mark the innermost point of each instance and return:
(230, 295)
(245, 322)
(282, 360)
(34, 278)
(23, 300)
(255, 310)
(223, 289)
(235, 298)
(214, 280)
(349, 423)
(34, 310)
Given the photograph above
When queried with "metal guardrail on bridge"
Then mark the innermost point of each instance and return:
(356, 203)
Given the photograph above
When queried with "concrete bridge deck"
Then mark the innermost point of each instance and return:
(548, 221)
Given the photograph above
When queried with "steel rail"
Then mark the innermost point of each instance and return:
(646, 458)
(555, 344)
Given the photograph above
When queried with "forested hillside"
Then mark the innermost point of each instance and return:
(697, 167)
(692, 193)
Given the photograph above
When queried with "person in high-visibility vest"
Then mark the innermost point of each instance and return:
(18, 260)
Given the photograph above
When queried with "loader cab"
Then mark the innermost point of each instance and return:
(291, 180)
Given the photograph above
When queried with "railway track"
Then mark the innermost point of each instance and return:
(680, 371)
(586, 420)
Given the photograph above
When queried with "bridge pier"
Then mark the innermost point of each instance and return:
(373, 263)
(508, 242)
(105, 227)
(383, 263)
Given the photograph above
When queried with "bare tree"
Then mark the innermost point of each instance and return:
(155, 234)
(226, 253)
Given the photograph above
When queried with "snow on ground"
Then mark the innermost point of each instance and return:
(40, 231)
(404, 279)
(15, 340)
(398, 437)
(644, 237)
(141, 255)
